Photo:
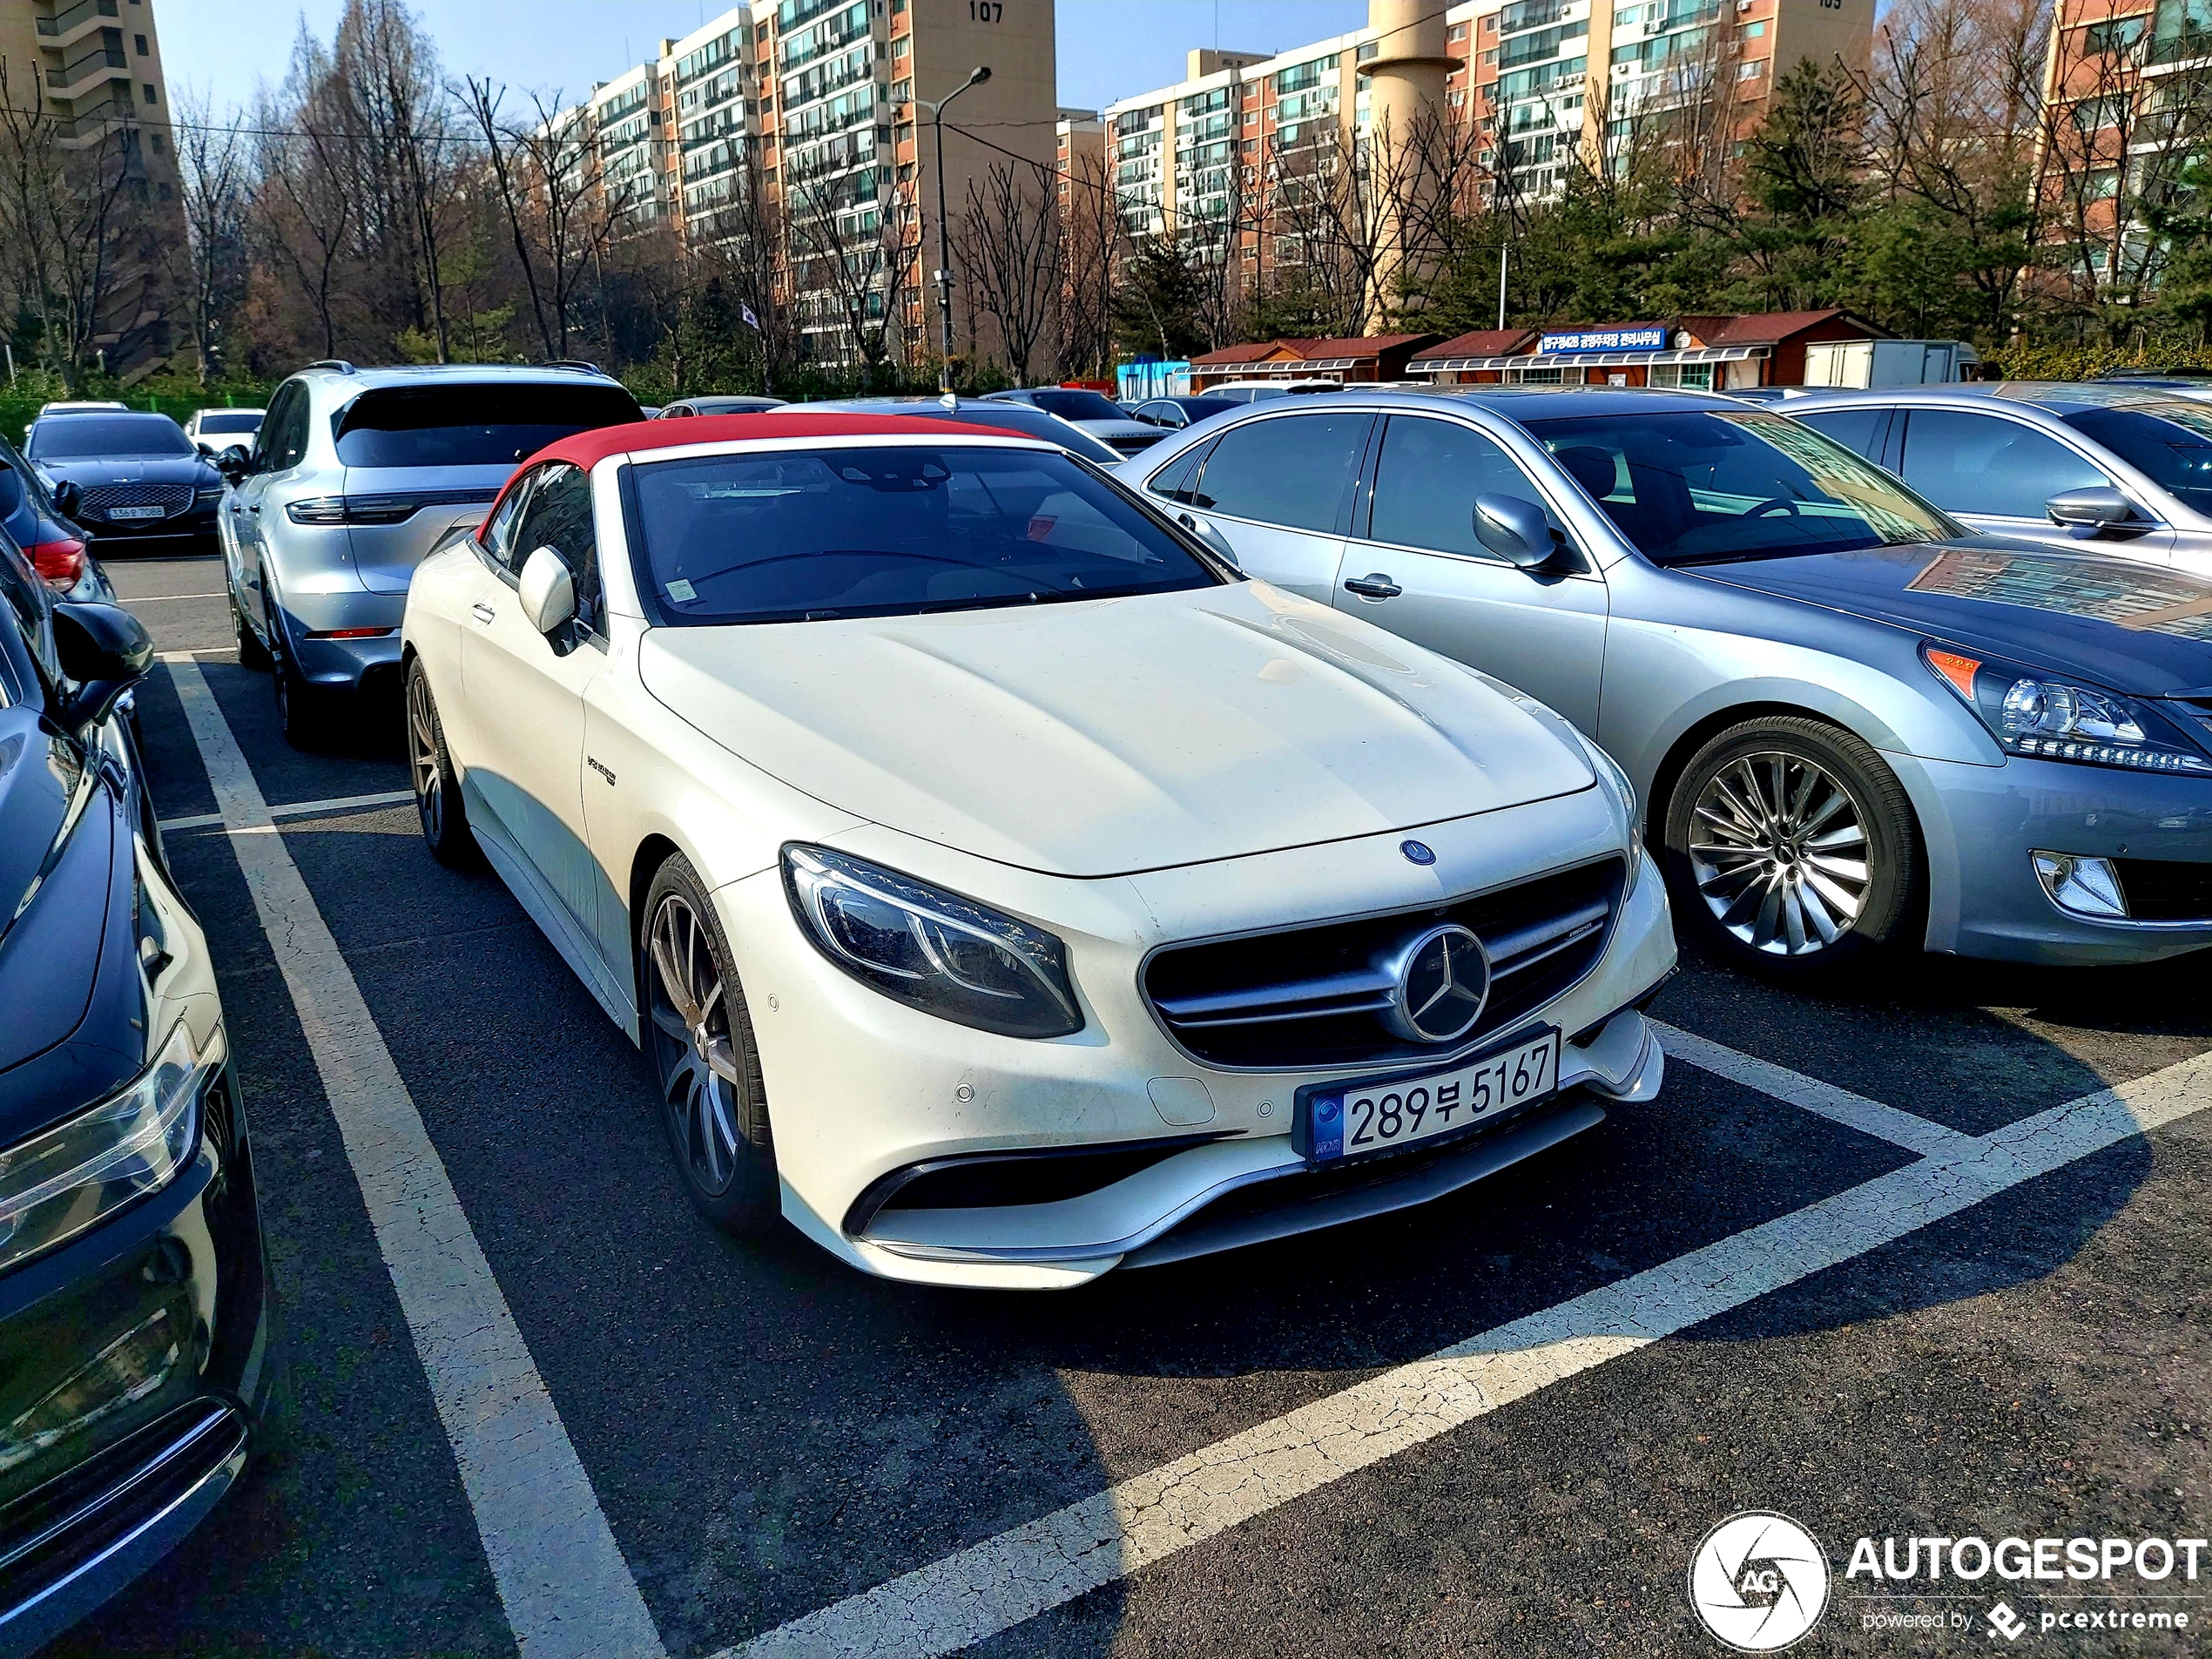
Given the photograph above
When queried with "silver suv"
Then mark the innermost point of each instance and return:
(353, 476)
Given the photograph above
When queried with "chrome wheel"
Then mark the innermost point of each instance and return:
(423, 758)
(702, 1081)
(1779, 851)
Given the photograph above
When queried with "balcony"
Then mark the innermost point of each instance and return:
(63, 26)
(1530, 14)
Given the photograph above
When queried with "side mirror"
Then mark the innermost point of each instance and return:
(1213, 538)
(104, 651)
(234, 462)
(67, 498)
(547, 590)
(2092, 511)
(1516, 530)
(206, 449)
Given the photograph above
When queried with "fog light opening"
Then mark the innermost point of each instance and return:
(2083, 887)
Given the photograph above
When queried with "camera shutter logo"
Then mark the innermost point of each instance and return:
(1758, 1582)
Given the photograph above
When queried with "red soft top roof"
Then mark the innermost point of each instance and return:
(587, 450)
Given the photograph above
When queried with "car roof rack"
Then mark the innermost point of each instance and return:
(338, 363)
(572, 362)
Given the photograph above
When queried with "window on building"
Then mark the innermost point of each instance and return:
(151, 98)
(139, 41)
(1457, 31)
(2094, 114)
(1754, 31)
(1750, 71)
(2115, 34)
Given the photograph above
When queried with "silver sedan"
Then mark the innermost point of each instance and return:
(1853, 721)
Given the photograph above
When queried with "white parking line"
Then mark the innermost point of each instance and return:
(149, 598)
(298, 809)
(1840, 1105)
(995, 1585)
(560, 1576)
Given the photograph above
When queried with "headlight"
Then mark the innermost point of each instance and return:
(944, 955)
(2030, 713)
(70, 1179)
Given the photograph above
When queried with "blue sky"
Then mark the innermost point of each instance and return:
(1107, 48)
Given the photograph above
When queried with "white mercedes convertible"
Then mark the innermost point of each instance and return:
(1002, 886)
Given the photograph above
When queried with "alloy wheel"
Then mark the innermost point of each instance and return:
(1780, 853)
(701, 1079)
(423, 758)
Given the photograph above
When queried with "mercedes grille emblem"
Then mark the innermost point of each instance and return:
(1442, 980)
(1416, 852)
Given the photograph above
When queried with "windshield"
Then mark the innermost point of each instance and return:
(1075, 404)
(80, 437)
(453, 425)
(803, 535)
(2174, 446)
(1690, 486)
(236, 421)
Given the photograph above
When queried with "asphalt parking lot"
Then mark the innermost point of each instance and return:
(1929, 1258)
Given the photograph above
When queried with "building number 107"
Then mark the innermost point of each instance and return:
(986, 10)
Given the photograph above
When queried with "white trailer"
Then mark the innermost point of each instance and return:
(1887, 362)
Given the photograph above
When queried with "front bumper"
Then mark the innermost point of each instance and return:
(133, 1365)
(1982, 823)
(196, 522)
(861, 1088)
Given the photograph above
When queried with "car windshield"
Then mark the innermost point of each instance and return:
(2173, 446)
(81, 437)
(1073, 404)
(1014, 417)
(241, 421)
(812, 535)
(462, 425)
(1692, 486)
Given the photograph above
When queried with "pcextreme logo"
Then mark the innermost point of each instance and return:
(1758, 1582)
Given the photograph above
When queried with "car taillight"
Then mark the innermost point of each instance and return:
(62, 562)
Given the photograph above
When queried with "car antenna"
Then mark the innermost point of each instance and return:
(951, 399)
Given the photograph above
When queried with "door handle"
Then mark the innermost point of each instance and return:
(483, 613)
(1186, 520)
(1373, 585)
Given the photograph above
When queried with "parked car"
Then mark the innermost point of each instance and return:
(352, 479)
(1094, 412)
(996, 880)
(1853, 722)
(730, 405)
(132, 477)
(2126, 469)
(134, 1309)
(1175, 413)
(1260, 391)
(213, 431)
(56, 546)
(1024, 418)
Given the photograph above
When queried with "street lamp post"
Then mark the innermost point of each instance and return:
(976, 77)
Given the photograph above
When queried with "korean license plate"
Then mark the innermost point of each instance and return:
(1348, 1120)
(134, 512)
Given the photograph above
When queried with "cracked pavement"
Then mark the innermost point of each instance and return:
(1496, 1424)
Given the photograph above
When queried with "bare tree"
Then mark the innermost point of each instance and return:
(70, 224)
(1090, 235)
(212, 162)
(848, 256)
(1009, 240)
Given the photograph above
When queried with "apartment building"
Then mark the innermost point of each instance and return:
(1550, 76)
(848, 155)
(93, 68)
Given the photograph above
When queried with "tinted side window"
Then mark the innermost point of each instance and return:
(559, 516)
(1425, 483)
(1295, 470)
(1980, 463)
(499, 534)
(283, 434)
(1859, 429)
(1174, 480)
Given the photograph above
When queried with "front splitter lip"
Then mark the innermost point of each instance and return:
(1622, 1063)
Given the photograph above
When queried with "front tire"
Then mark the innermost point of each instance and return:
(438, 804)
(1791, 850)
(699, 1036)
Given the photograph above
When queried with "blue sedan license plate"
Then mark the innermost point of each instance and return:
(134, 512)
(1349, 1120)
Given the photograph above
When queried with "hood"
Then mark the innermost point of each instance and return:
(2136, 627)
(91, 471)
(1110, 736)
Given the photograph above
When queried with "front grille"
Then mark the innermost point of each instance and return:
(1129, 442)
(1310, 997)
(2160, 891)
(171, 498)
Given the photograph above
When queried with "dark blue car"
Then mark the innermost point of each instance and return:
(134, 1317)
